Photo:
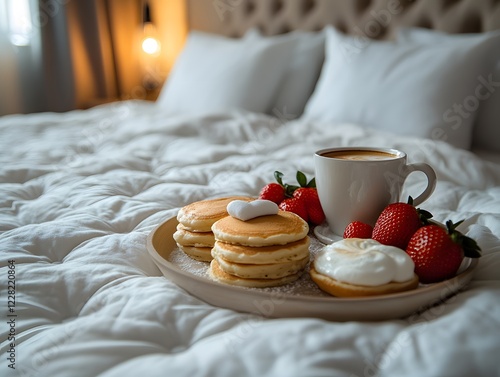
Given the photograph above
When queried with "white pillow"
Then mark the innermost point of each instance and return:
(301, 73)
(404, 88)
(486, 102)
(215, 73)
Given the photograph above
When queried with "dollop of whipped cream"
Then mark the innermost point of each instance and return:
(364, 262)
(249, 210)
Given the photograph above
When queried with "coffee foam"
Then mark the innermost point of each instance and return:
(360, 155)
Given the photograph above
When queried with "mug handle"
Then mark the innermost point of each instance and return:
(431, 179)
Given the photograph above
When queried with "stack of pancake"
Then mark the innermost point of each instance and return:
(265, 251)
(194, 234)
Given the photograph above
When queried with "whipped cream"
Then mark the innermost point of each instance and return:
(364, 262)
(249, 210)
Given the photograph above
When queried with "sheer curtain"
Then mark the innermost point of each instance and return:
(20, 60)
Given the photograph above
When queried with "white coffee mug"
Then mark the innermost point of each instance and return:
(357, 183)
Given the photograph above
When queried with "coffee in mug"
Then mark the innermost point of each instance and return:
(360, 155)
(357, 183)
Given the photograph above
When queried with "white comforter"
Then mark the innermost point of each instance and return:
(81, 191)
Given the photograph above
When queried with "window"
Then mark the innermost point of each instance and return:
(18, 22)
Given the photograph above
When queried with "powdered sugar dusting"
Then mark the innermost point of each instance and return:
(304, 286)
(180, 259)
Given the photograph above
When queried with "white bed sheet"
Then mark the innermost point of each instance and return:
(81, 191)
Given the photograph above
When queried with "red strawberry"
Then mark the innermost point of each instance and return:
(310, 197)
(398, 222)
(315, 214)
(273, 192)
(296, 206)
(438, 252)
(306, 203)
(358, 229)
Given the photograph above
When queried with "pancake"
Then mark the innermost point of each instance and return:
(341, 289)
(202, 254)
(199, 239)
(216, 273)
(262, 255)
(200, 216)
(261, 271)
(280, 229)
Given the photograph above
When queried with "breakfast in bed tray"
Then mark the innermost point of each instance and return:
(281, 244)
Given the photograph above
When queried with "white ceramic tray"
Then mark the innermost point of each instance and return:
(299, 299)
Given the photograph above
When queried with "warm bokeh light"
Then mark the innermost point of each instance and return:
(133, 65)
(150, 46)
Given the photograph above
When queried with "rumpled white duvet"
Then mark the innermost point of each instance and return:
(81, 191)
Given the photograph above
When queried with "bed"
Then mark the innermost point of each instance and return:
(83, 193)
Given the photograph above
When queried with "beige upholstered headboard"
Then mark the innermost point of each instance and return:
(372, 18)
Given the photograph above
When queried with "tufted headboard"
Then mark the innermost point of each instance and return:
(373, 18)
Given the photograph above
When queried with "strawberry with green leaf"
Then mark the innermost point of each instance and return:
(275, 192)
(398, 222)
(438, 251)
(301, 199)
(308, 193)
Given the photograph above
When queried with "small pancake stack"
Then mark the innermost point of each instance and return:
(194, 235)
(265, 251)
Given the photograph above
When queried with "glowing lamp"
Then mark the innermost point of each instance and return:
(150, 46)
(150, 43)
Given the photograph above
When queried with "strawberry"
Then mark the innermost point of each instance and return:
(438, 252)
(358, 229)
(310, 197)
(309, 207)
(315, 214)
(296, 206)
(274, 192)
(398, 222)
(307, 191)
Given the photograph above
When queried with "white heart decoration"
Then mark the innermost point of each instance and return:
(249, 210)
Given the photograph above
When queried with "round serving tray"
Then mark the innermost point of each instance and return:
(278, 303)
